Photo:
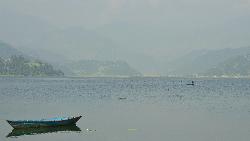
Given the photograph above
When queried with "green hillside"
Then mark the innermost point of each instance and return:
(20, 66)
(13, 62)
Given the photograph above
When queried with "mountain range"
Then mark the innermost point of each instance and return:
(128, 30)
(238, 66)
(95, 68)
(226, 62)
(143, 48)
(86, 68)
(203, 61)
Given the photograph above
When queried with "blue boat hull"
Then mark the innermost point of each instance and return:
(44, 123)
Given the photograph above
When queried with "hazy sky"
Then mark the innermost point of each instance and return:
(158, 28)
(96, 13)
(215, 19)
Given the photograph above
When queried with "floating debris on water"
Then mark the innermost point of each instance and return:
(132, 129)
(90, 130)
(122, 98)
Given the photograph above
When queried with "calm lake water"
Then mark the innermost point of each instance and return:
(129, 109)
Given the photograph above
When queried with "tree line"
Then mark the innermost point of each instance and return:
(21, 66)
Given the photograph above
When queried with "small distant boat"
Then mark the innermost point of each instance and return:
(122, 98)
(51, 122)
(191, 83)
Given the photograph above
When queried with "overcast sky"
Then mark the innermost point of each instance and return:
(201, 17)
(171, 26)
(96, 13)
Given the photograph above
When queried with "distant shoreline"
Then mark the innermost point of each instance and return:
(145, 76)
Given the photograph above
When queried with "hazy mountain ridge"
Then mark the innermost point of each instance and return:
(200, 61)
(82, 44)
(78, 43)
(238, 66)
(32, 66)
(109, 42)
(95, 68)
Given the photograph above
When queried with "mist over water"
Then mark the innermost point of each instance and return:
(131, 108)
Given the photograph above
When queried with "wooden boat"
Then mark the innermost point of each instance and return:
(42, 130)
(51, 122)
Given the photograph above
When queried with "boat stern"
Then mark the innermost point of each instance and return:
(11, 123)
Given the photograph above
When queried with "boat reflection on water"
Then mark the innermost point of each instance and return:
(42, 130)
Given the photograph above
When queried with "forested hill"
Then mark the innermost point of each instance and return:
(21, 66)
(16, 63)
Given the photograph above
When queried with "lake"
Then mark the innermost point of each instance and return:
(129, 109)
